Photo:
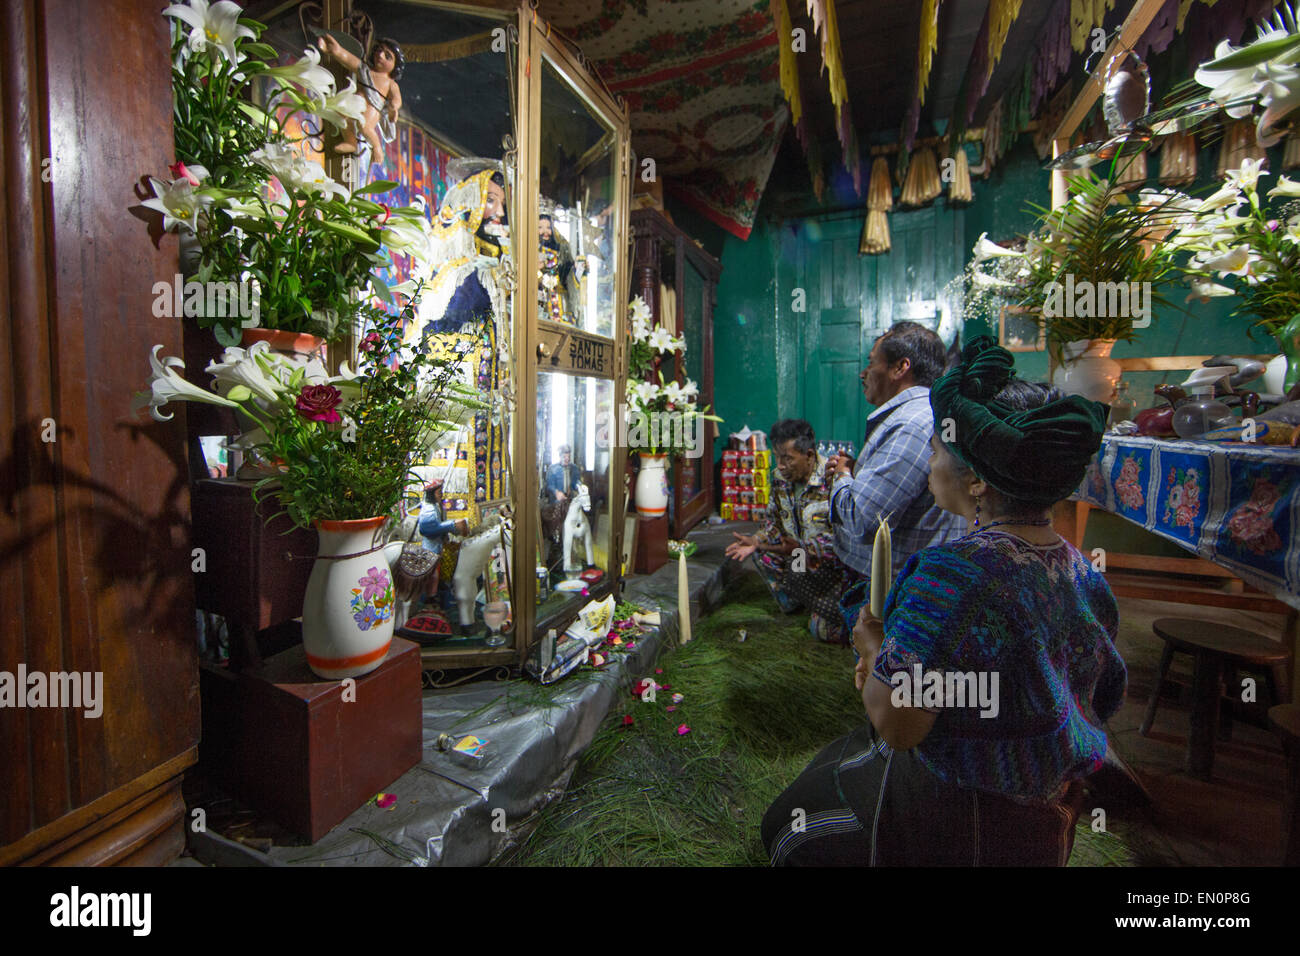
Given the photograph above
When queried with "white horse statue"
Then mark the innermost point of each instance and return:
(578, 529)
(475, 552)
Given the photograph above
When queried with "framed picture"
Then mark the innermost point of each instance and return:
(1018, 332)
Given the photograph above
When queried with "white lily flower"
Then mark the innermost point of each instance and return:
(690, 390)
(1280, 96)
(212, 27)
(339, 108)
(307, 72)
(1205, 289)
(1247, 177)
(167, 385)
(254, 368)
(986, 249)
(1231, 262)
(984, 281)
(1227, 195)
(661, 340)
(1285, 187)
(296, 172)
(409, 236)
(673, 392)
(179, 203)
(642, 392)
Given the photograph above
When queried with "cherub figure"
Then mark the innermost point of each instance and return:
(377, 83)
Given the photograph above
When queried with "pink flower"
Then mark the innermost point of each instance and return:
(374, 584)
(385, 800)
(180, 171)
(627, 720)
(683, 730)
(370, 342)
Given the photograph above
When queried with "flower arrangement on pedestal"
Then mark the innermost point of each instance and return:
(343, 450)
(659, 415)
(343, 446)
(1240, 247)
(310, 253)
(662, 419)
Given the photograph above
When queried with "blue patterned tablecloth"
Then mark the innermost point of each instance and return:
(1235, 505)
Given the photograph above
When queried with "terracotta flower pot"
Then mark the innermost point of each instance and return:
(290, 343)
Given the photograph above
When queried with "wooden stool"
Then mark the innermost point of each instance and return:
(1285, 721)
(1212, 646)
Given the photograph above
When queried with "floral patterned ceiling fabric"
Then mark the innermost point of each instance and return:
(702, 82)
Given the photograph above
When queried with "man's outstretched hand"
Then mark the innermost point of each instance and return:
(742, 547)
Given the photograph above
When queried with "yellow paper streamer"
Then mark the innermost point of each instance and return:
(1002, 13)
(929, 43)
(789, 67)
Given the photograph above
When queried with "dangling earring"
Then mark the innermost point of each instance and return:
(977, 511)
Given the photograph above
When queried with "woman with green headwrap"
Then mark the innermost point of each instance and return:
(990, 677)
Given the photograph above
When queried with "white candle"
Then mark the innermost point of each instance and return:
(683, 599)
(881, 569)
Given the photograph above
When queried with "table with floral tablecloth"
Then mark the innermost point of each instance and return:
(1236, 505)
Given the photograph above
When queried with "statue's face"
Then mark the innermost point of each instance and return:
(544, 228)
(495, 209)
(383, 58)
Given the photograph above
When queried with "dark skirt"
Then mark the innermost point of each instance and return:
(860, 803)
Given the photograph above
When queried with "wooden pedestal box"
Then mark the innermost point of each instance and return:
(651, 544)
(304, 756)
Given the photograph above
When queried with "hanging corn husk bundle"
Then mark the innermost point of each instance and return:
(1178, 160)
(960, 190)
(1291, 155)
(1238, 144)
(875, 233)
(1131, 172)
(880, 197)
(922, 183)
(880, 194)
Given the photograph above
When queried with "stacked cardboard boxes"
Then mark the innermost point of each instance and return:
(746, 484)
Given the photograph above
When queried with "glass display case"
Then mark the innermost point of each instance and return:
(522, 159)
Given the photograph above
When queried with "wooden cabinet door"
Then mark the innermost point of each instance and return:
(95, 563)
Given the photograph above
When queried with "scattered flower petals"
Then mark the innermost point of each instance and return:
(616, 641)
(678, 698)
(627, 720)
(385, 800)
(683, 730)
(659, 670)
(597, 660)
(670, 708)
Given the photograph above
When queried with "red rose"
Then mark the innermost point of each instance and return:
(317, 403)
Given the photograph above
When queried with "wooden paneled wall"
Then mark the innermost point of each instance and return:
(94, 535)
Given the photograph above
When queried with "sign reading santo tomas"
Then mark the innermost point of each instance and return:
(568, 350)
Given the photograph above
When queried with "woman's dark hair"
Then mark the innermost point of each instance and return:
(1021, 396)
(399, 61)
(792, 429)
(920, 346)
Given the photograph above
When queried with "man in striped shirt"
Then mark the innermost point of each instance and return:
(890, 478)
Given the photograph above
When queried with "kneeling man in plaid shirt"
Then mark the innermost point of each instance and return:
(795, 550)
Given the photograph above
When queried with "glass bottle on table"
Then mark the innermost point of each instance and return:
(1123, 408)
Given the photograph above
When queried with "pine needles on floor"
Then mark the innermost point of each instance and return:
(758, 711)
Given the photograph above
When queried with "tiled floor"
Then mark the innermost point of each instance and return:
(1235, 819)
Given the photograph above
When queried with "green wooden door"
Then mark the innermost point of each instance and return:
(851, 299)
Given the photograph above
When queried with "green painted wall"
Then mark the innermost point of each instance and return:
(760, 343)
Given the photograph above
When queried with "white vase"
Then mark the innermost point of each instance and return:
(1088, 370)
(347, 612)
(652, 485)
(1275, 376)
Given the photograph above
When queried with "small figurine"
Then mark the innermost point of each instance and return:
(577, 529)
(432, 526)
(377, 83)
